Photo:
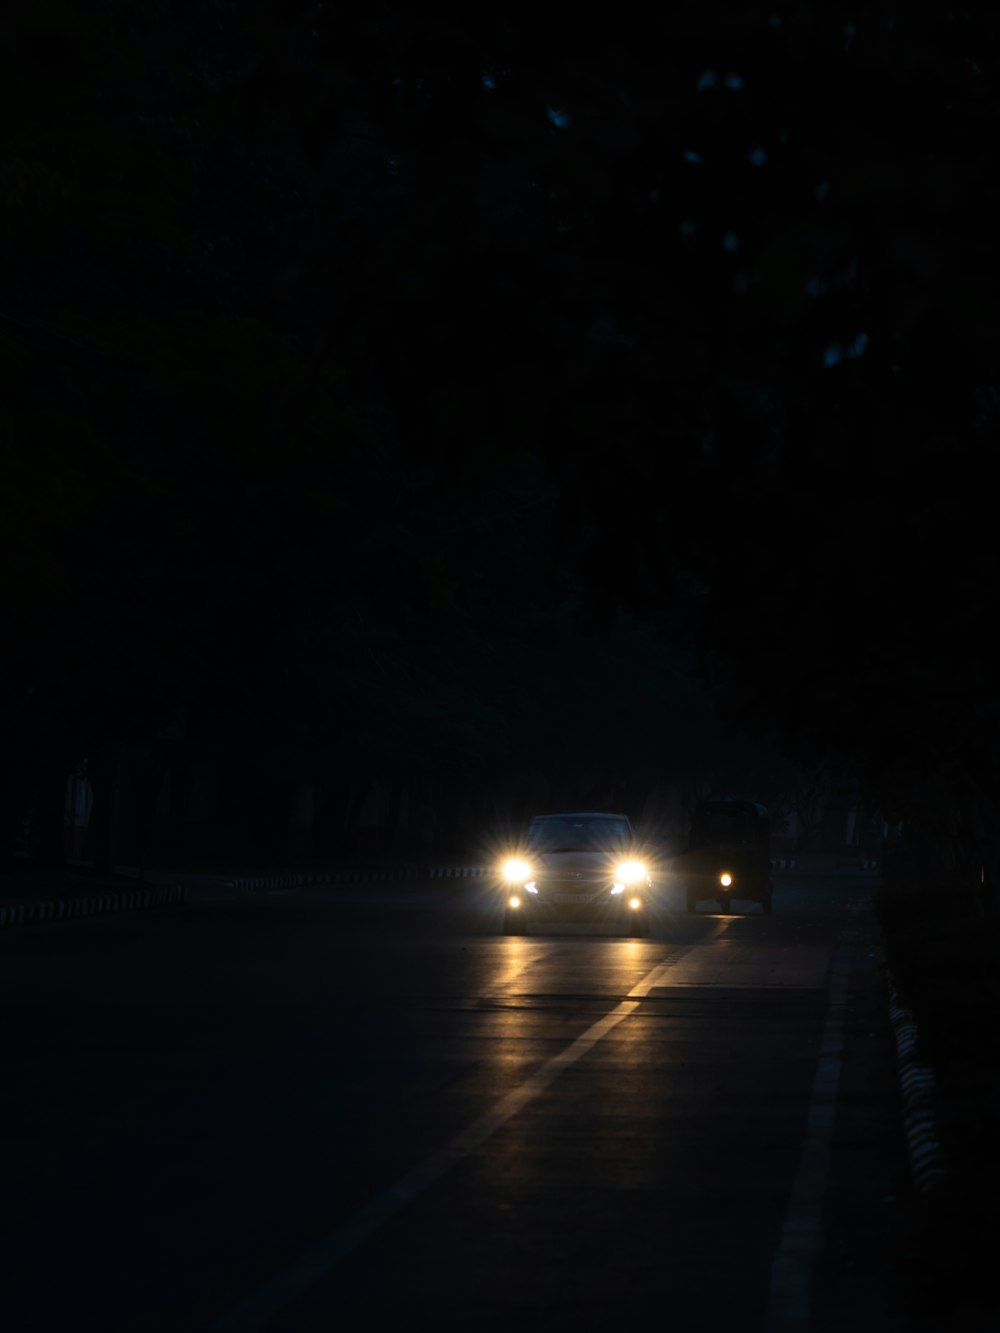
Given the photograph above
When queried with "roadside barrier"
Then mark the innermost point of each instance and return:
(157, 895)
(66, 909)
(362, 875)
(790, 863)
(928, 1166)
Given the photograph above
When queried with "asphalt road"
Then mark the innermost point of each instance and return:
(365, 1108)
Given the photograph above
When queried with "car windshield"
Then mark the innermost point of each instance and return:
(578, 833)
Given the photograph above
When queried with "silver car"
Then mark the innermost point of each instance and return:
(579, 866)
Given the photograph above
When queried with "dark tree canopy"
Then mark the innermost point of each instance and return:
(349, 356)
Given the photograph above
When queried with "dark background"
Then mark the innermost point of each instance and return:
(411, 420)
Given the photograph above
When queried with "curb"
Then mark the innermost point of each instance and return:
(916, 1080)
(65, 909)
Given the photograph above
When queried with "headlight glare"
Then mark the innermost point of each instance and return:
(630, 872)
(516, 871)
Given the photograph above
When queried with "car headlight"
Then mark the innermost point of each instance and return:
(516, 871)
(630, 872)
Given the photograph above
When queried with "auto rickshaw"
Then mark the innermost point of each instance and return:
(728, 856)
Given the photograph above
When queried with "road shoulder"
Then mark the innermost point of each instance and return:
(859, 1279)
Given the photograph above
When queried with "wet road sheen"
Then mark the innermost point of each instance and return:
(352, 1110)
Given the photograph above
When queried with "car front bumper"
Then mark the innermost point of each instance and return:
(553, 903)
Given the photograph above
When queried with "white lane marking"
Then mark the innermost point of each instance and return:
(801, 1243)
(314, 1265)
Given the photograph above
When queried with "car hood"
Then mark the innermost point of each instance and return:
(589, 864)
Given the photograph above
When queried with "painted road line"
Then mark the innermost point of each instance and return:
(317, 1262)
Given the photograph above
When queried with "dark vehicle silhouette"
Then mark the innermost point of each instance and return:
(581, 866)
(728, 857)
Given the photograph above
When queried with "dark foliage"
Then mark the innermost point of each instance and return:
(352, 359)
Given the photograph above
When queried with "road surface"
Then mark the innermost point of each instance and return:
(364, 1108)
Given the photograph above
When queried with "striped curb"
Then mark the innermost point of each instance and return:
(64, 909)
(916, 1080)
(263, 883)
(790, 862)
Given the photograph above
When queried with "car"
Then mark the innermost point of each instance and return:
(582, 865)
(728, 857)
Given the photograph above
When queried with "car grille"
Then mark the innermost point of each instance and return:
(569, 890)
